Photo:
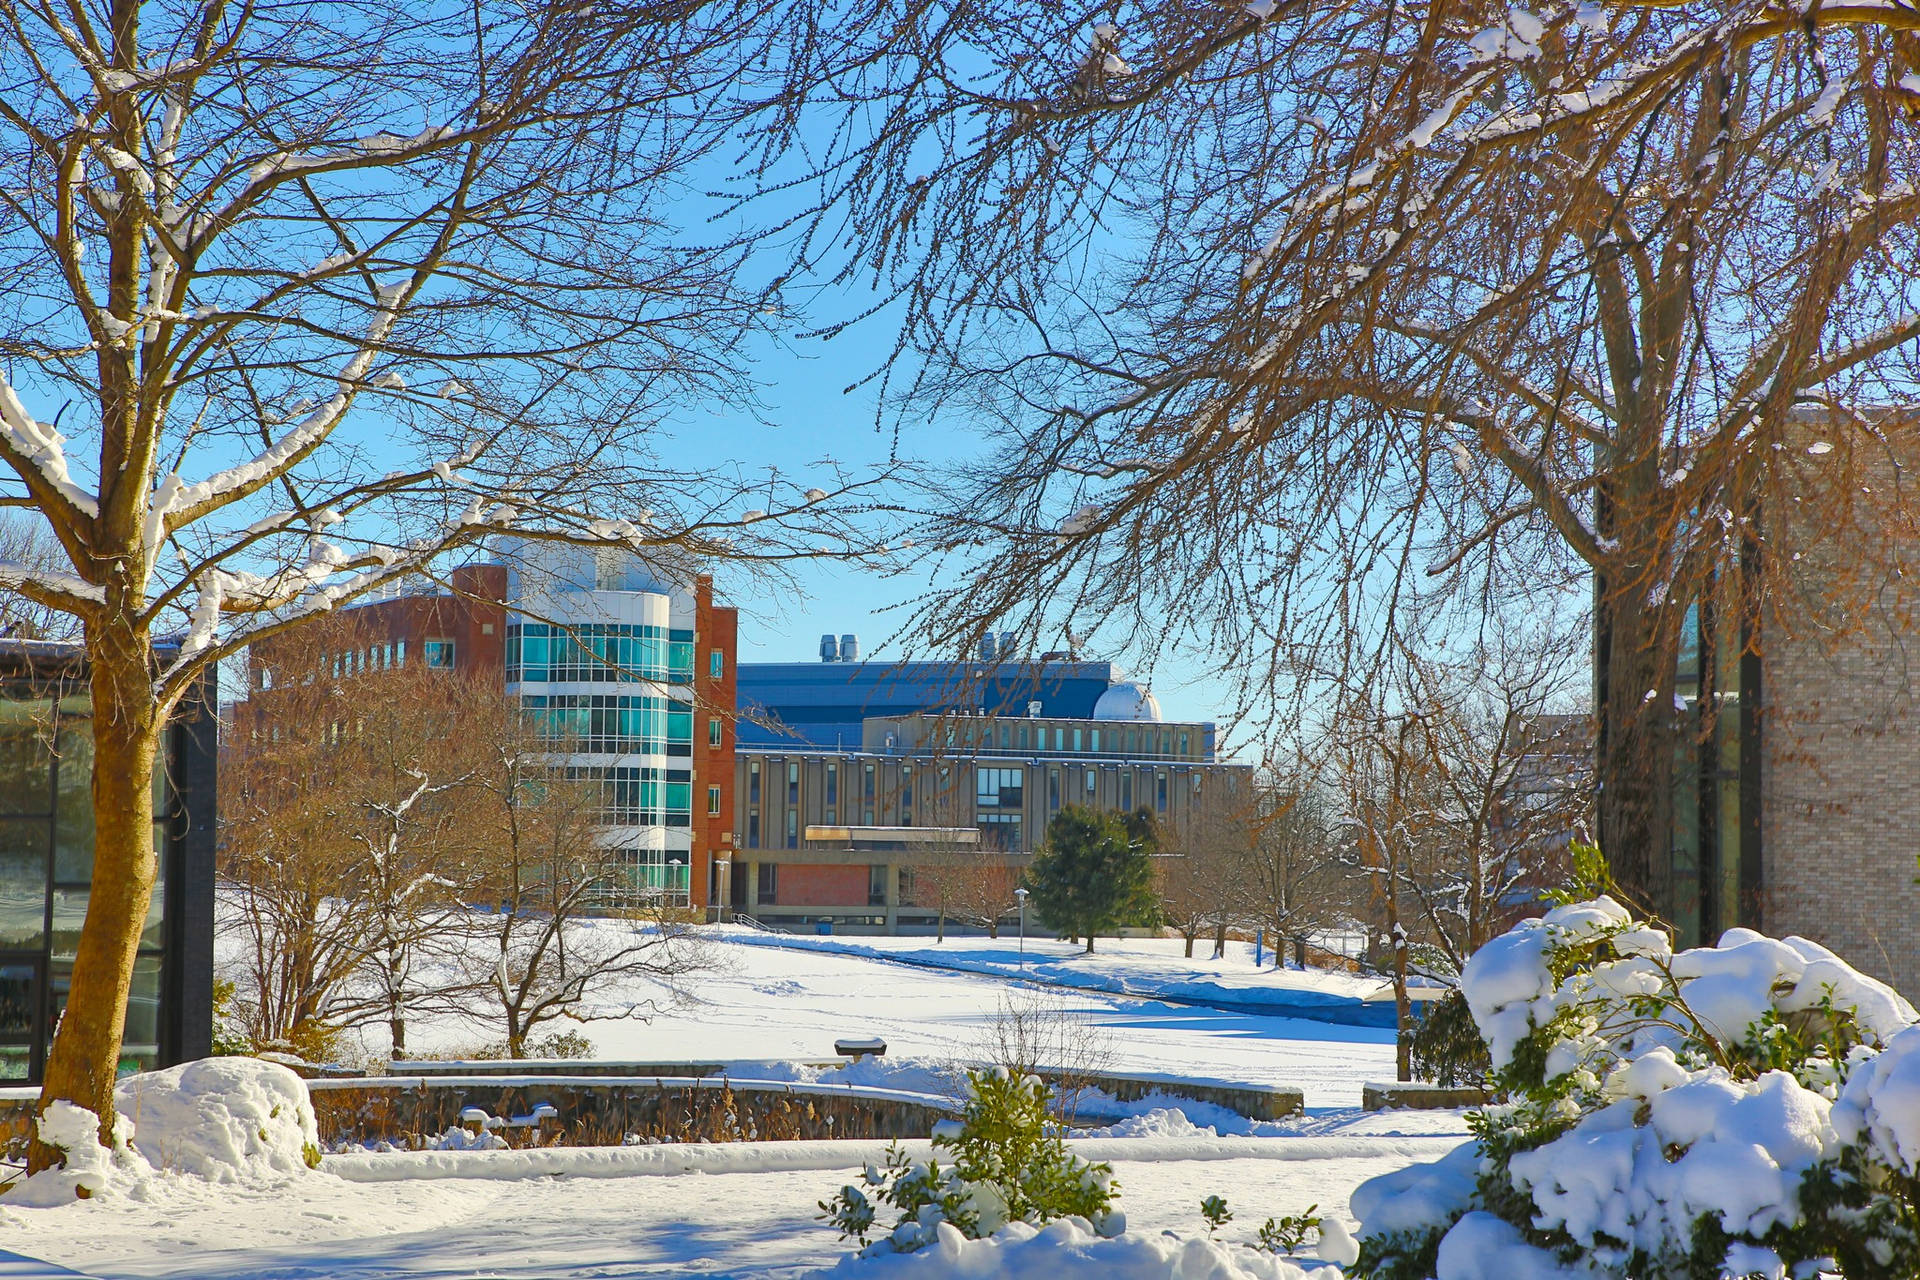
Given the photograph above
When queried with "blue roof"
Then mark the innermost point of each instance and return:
(823, 703)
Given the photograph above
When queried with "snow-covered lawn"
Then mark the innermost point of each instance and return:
(754, 1219)
(775, 1003)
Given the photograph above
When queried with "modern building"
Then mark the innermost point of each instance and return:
(826, 703)
(46, 866)
(617, 658)
(847, 834)
(1797, 796)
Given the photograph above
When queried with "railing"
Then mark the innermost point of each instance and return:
(741, 917)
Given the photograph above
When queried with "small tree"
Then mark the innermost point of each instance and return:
(974, 888)
(1203, 883)
(1296, 877)
(1091, 874)
(572, 933)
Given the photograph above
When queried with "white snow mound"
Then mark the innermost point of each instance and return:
(222, 1119)
(92, 1171)
(1069, 1250)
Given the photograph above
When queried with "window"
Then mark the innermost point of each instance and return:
(713, 732)
(1000, 788)
(867, 785)
(1092, 782)
(1126, 791)
(1160, 790)
(833, 784)
(713, 800)
(717, 663)
(1076, 740)
(1000, 831)
(793, 828)
(753, 829)
(753, 783)
(769, 882)
(793, 782)
(877, 886)
(906, 787)
(439, 653)
(1053, 788)
(1093, 743)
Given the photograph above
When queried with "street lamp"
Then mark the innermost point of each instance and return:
(1022, 895)
(723, 889)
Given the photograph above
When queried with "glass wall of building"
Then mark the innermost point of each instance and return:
(46, 869)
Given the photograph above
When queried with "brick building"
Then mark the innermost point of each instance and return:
(619, 657)
(1798, 804)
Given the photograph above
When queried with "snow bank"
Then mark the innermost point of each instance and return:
(223, 1119)
(1069, 1250)
(92, 1171)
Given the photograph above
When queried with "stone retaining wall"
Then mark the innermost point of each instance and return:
(606, 1111)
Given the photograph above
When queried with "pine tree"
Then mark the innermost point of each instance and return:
(1093, 871)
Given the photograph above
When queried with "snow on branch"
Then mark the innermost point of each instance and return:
(175, 502)
(34, 450)
(49, 586)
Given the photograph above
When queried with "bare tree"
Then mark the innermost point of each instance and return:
(1312, 328)
(341, 809)
(568, 928)
(1297, 878)
(32, 547)
(1202, 879)
(973, 886)
(335, 288)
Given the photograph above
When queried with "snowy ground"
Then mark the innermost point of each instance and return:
(748, 1210)
(772, 1003)
(757, 1224)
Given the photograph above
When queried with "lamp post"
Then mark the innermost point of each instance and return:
(722, 867)
(1021, 894)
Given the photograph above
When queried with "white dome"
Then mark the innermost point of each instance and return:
(1125, 700)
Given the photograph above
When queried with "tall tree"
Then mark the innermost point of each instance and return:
(1312, 328)
(329, 289)
(1093, 872)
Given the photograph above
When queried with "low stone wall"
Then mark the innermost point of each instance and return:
(1255, 1101)
(603, 1111)
(1415, 1096)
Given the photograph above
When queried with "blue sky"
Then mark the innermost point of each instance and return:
(809, 414)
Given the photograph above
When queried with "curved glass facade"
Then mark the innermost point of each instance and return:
(613, 724)
(597, 653)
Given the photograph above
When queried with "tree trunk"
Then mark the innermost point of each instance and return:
(941, 934)
(1220, 939)
(993, 927)
(1635, 757)
(1089, 942)
(1189, 937)
(127, 728)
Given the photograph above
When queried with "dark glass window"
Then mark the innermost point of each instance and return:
(769, 882)
(438, 653)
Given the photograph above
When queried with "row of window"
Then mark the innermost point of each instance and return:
(638, 796)
(614, 724)
(649, 877)
(999, 799)
(597, 652)
(979, 734)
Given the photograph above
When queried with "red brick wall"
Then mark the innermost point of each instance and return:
(803, 885)
(715, 627)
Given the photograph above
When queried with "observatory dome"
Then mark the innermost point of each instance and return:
(1125, 700)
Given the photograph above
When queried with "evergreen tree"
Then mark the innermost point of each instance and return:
(1093, 870)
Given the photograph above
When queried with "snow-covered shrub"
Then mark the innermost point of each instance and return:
(1068, 1250)
(1742, 1109)
(1009, 1165)
(91, 1170)
(224, 1119)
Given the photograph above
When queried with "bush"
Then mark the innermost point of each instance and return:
(1444, 1047)
(1009, 1165)
(1746, 1109)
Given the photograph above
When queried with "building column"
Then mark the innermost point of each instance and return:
(893, 897)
